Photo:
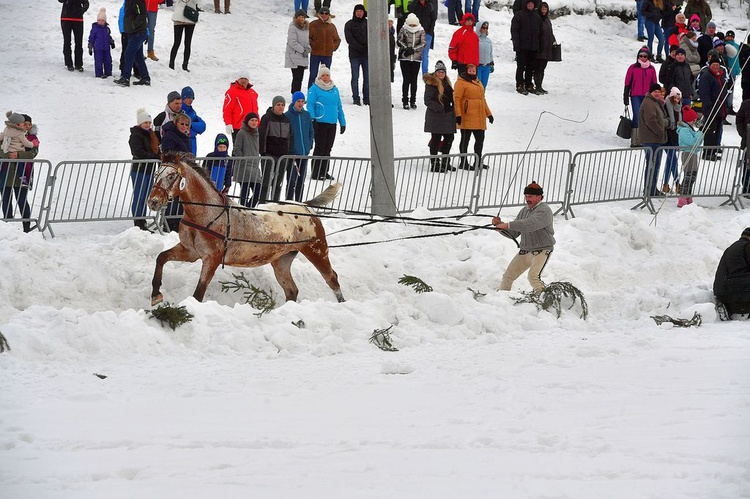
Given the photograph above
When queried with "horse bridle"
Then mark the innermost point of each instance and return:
(177, 177)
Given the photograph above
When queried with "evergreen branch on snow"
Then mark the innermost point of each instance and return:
(257, 298)
(381, 338)
(552, 297)
(300, 324)
(477, 294)
(174, 316)
(695, 321)
(416, 283)
(4, 343)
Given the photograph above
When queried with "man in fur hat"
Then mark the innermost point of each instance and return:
(534, 225)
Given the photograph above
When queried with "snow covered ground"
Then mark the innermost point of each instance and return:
(483, 399)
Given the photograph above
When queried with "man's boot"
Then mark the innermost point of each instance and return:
(217, 10)
(226, 7)
(152, 56)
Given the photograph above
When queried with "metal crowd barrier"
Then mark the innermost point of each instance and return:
(417, 185)
(22, 187)
(503, 182)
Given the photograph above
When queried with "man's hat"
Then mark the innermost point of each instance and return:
(534, 189)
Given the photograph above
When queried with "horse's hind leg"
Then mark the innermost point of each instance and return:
(178, 253)
(317, 253)
(282, 270)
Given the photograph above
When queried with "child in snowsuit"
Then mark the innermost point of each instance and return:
(100, 45)
(13, 138)
(220, 170)
(689, 140)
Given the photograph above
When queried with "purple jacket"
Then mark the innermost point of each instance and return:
(99, 37)
(639, 80)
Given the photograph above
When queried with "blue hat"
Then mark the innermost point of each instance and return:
(297, 96)
(187, 93)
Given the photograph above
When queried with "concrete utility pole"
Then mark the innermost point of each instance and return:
(381, 120)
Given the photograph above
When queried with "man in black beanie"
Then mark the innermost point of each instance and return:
(732, 280)
(534, 225)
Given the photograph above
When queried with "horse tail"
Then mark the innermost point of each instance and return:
(325, 197)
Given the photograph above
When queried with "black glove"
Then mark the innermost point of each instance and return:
(626, 96)
(458, 120)
(454, 64)
(491, 118)
(91, 49)
(492, 67)
(343, 129)
(408, 51)
(111, 42)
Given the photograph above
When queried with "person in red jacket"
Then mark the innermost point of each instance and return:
(239, 100)
(464, 46)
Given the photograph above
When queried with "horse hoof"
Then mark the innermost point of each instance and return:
(155, 300)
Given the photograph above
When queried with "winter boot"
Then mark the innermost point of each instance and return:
(435, 166)
(677, 188)
(446, 165)
(521, 90)
(152, 56)
(682, 202)
(217, 10)
(226, 7)
(665, 188)
(635, 140)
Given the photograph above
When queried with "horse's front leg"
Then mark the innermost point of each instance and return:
(208, 269)
(177, 253)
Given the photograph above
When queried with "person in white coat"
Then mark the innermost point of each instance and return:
(297, 56)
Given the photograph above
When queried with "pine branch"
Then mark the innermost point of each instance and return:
(416, 283)
(553, 295)
(257, 298)
(300, 324)
(695, 321)
(174, 316)
(477, 294)
(381, 338)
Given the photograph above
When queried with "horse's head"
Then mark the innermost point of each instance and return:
(167, 183)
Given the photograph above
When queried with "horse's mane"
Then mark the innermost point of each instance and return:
(187, 159)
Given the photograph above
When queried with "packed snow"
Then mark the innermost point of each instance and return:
(484, 397)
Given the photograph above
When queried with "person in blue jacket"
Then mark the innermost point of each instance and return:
(302, 142)
(324, 104)
(197, 125)
(219, 167)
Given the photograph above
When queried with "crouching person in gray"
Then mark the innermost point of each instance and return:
(534, 225)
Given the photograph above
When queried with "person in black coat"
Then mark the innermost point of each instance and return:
(525, 28)
(712, 91)
(275, 140)
(439, 117)
(732, 280)
(175, 138)
(742, 122)
(143, 145)
(546, 40)
(71, 23)
(355, 33)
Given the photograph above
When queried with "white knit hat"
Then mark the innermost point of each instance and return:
(675, 92)
(412, 19)
(324, 70)
(143, 116)
(102, 15)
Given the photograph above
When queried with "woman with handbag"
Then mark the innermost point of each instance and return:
(546, 40)
(638, 79)
(185, 17)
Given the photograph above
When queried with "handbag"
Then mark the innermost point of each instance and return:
(625, 127)
(190, 13)
(556, 53)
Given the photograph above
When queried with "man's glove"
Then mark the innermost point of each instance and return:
(626, 96)
(343, 129)
(91, 49)
(230, 130)
(491, 118)
(458, 120)
(454, 64)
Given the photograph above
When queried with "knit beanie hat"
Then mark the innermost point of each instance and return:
(654, 87)
(711, 24)
(688, 115)
(143, 116)
(324, 70)
(221, 139)
(440, 66)
(173, 95)
(534, 189)
(675, 92)
(251, 116)
(14, 118)
(695, 17)
(187, 93)
(644, 50)
(102, 15)
(278, 99)
(718, 41)
(412, 19)
(297, 96)
(300, 13)
(680, 51)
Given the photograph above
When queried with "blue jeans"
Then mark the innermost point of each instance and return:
(141, 187)
(151, 18)
(426, 54)
(315, 61)
(473, 9)
(652, 29)
(650, 177)
(671, 166)
(635, 101)
(134, 55)
(454, 11)
(295, 180)
(356, 63)
(483, 74)
(301, 4)
(641, 20)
